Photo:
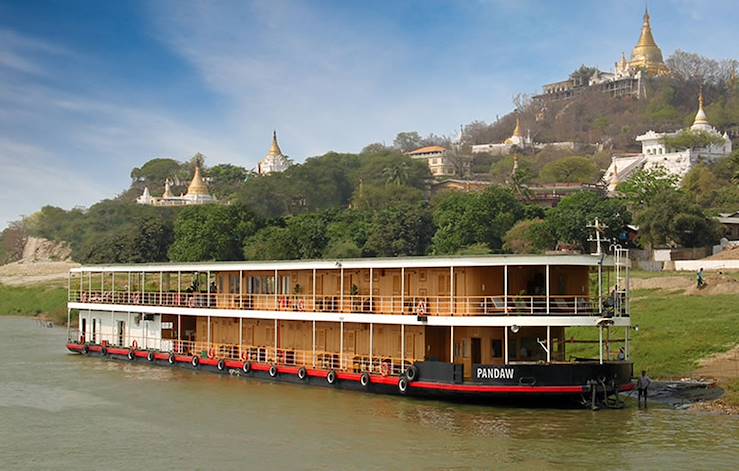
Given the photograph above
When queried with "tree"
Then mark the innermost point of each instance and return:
(689, 139)
(12, 242)
(270, 243)
(696, 68)
(375, 148)
(464, 219)
(211, 232)
(570, 170)
(644, 184)
(225, 179)
(407, 141)
(381, 169)
(671, 219)
(399, 231)
(396, 174)
(529, 236)
(569, 220)
(377, 197)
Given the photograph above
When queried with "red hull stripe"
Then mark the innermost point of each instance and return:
(209, 361)
(179, 359)
(499, 389)
(74, 347)
(118, 351)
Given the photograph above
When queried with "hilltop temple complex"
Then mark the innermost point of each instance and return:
(646, 58)
(656, 153)
(197, 193)
(519, 142)
(274, 161)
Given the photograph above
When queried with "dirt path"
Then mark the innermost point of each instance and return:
(716, 283)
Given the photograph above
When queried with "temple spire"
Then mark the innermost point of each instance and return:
(275, 149)
(701, 119)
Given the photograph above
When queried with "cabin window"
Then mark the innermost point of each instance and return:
(234, 284)
(496, 348)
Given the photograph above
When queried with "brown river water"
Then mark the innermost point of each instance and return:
(65, 411)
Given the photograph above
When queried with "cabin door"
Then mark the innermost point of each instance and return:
(84, 330)
(476, 351)
(94, 328)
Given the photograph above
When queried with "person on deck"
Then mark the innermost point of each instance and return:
(699, 279)
(642, 385)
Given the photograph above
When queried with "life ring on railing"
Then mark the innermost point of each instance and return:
(134, 345)
(421, 308)
(244, 355)
(211, 353)
(177, 299)
(384, 368)
(301, 305)
(283, 303)
(302, 373)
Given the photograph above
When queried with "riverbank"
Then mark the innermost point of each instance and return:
(40, 300)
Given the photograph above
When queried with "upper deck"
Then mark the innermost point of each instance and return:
(562, 285)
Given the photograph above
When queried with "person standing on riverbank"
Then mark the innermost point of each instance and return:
(642, 385)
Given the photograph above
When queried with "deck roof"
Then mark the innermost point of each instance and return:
(357, 263)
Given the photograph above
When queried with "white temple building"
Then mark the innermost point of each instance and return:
(518, 141)
(656, 154)
(274, 161)
(197, 193)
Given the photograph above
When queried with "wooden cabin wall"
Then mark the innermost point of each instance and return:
(463, 345)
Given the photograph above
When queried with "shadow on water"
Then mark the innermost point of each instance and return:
(62, 410)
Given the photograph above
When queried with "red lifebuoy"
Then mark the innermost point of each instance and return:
(283, 303)
(385, 368)
(421, 308)
(244, 355)
(211, 353)
(134, 345)
(301, 305)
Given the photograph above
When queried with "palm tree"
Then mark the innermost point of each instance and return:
(397, 174)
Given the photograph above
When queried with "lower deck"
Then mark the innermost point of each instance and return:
(384, 349)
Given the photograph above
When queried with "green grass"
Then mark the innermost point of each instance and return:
(34, 300)
(732, 393)
(675, 331)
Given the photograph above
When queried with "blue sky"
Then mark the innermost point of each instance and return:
(90, 89)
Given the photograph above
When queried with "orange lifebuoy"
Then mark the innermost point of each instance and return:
(384, 368)
(211, 353)
(244, 355)
(301, 305)
(135, 345)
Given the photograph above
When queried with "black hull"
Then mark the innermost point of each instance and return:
(557, 385)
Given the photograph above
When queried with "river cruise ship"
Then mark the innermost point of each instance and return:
(480, 328)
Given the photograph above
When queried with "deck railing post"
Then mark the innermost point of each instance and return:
(341, 344)
(314, 305)
(207, 283)
(600, 344)
(274, 288)
(241, 289)
(276, 338)
(451, 292)
(314, 338)
(82, 286)
(402, 290)
(112, 286)
(548, 292)
(505, 293)
(505, 344)
(451, 344)
(179, 334)
(128, 288)
(549, 344)
(371, 345)
(371, 300)
(241, 335)
(402, 347)
(207, 347)
(161, 286)
(341, 289)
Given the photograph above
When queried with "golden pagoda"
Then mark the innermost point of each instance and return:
(197, 185)
(517, 136)
(274, 161)
(646, 54)
(275, 149)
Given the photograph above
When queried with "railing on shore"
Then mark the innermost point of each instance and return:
(318, 359)
(411, 305)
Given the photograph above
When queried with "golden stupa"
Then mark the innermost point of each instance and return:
(517, 135)
(197, 185)
(646, 54)
(275, 149)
